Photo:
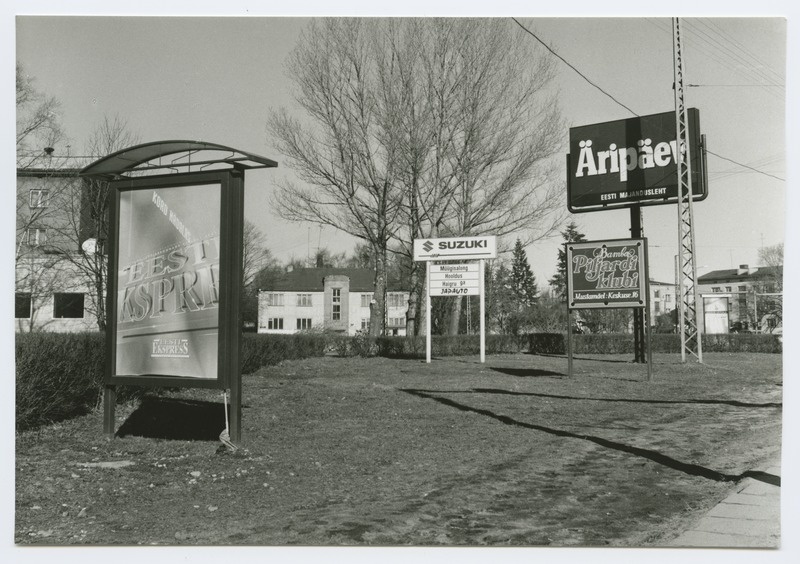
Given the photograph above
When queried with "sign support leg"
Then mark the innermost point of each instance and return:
(109, 410)
(638, 313)
(428, 312)
(481, 270)
(569, 343)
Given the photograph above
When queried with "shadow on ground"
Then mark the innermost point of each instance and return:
(176, 419)
(528, 372)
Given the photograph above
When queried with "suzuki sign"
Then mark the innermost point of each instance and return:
(456, 248)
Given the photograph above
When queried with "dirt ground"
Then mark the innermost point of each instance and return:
(353, 451)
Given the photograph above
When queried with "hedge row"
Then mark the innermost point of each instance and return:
(622, 343)
(60, 375)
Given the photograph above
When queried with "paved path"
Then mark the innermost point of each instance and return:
(748, 518)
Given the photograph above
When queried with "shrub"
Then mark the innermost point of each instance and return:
(260, 349)
(622, 343)
(57, 376)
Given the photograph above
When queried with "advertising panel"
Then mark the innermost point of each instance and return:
(627, 162)
(455, 279)
(607, 274)
(168, 282)
(456, 248)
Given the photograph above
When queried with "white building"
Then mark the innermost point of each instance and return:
(335, 299)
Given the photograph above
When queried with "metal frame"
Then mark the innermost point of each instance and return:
(231, 188)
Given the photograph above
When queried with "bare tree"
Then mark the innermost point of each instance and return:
(83, 232)
(38, 123)
(345, 155)
(421, 128)
(478, 132)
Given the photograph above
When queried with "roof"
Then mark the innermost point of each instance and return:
(173, 156)
(310, 280)
(734, 274)
(657, 283)
(43, 165)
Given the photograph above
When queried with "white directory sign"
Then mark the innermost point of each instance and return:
(455, 279)
(456, 248)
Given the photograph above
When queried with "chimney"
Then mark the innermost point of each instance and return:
(743, 269)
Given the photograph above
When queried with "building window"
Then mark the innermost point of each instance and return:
(38, 198)
(667, 298)
(396, 322)
(336, 315)
(68, 306)
(716, 289)
(303, 324)
(274, 299)
(728, 289)
(365, 324)
(657, 307)
(396, 300)
(22, 305)
(656, 293)
(742, 288)
(366, 299)
(303, 300)
(275, 323)
(37, 236)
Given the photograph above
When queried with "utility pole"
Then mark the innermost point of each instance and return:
(691, 341)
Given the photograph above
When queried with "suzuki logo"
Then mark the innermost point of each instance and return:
(428, 246)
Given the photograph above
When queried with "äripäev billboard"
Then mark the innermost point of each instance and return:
(607, 274)
(627, 162)
(168, 282)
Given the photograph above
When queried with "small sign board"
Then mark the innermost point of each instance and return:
(456, 248)
(455, 279)
(607, 274)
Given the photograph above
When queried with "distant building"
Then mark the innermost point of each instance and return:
(334, 299)
(51, 293)
(662, 298)
(740, 299)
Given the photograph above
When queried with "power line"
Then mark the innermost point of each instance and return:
(529, 32)
(572, 67)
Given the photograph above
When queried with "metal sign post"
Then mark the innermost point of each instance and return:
(449, 278)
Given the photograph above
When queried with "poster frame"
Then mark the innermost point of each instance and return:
(231, 192)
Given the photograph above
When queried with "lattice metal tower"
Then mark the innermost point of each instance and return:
(687, 289)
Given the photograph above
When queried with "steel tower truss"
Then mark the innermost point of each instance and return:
(687, 289)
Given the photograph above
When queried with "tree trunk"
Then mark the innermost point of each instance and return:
(455, 316)
(377, 314)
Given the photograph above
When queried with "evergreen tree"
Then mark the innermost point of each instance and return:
(523, 282)
(559, 280)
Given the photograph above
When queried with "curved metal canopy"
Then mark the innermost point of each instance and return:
(157, 157)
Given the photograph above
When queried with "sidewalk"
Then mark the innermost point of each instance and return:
(748, 518)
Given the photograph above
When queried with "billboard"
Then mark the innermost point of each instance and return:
(607, 274)
(633, 161)
(167, 284)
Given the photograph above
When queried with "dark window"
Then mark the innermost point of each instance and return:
(22, 305)
(275, 323)
(68, 306)
(38, 199)
(303, 324)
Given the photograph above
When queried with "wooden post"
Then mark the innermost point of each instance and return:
(569, 342)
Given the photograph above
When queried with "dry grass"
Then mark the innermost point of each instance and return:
(377, 451)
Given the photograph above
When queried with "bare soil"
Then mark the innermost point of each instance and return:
(354, 451)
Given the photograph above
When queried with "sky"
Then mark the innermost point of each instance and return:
(217, 78)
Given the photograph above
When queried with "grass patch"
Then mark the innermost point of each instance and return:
(379, 451)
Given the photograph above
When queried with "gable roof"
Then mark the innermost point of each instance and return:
(733, 274)
(310, 280)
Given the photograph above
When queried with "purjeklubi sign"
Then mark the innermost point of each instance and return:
(633, 161)
(607, 274)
